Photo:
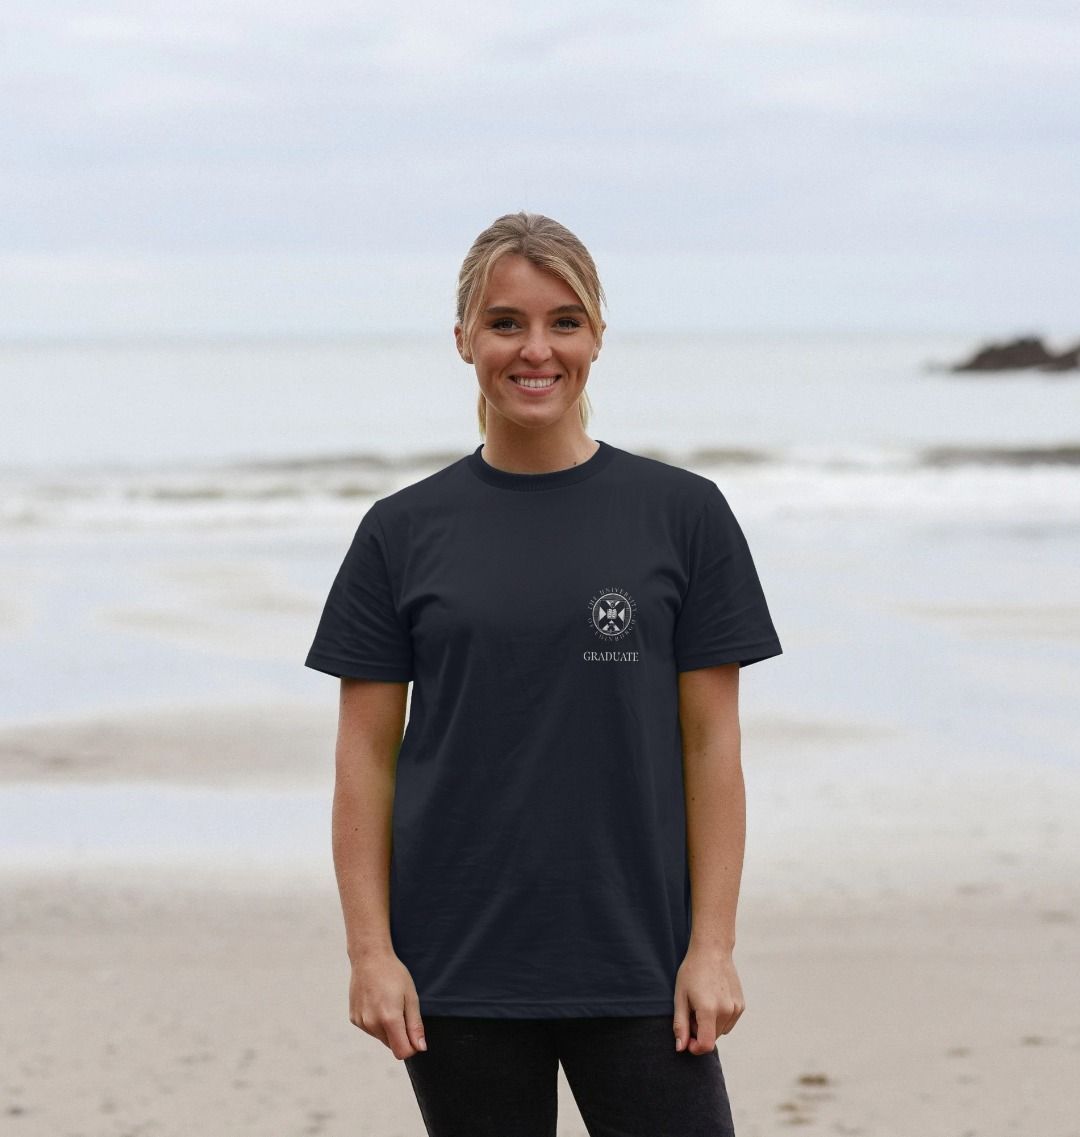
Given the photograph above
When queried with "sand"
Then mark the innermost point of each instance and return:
(909, 945)
(196, 745)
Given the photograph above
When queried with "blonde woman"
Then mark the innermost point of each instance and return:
(543, 865)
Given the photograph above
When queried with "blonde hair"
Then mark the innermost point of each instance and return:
(549, 246)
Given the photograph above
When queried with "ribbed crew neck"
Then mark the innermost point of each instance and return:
(549, 481)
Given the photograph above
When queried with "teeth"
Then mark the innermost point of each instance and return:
(533, 382)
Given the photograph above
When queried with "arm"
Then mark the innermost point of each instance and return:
(708, 986)
(382, 997)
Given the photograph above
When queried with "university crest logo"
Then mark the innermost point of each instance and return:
(612, 614)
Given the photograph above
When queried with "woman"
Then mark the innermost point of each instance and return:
(516, 871)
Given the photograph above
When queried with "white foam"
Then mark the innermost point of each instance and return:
(802, 480)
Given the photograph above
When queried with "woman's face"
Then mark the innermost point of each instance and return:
(531, 345)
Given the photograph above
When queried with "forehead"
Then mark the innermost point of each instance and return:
(516, 282)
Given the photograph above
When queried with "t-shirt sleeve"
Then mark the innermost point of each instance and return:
(361, 634)
(724, 617)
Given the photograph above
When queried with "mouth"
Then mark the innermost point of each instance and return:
(535, 382)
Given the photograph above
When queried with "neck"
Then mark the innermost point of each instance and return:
(520, 451)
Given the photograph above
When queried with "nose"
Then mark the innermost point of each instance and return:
(536, 348)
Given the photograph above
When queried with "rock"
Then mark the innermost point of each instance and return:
(1028, 351)
(1066, 361)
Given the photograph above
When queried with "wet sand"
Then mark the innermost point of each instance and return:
(909, 940)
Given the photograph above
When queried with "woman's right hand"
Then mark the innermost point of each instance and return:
(383, 1003)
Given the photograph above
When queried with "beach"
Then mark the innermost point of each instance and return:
(245, 303)
(909, 966)
(171, 940)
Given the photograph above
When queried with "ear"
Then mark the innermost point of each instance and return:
(599, 341)
(459, 339)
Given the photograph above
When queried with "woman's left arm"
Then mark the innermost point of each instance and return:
(707, 987)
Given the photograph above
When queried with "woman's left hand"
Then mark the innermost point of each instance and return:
(708, 998)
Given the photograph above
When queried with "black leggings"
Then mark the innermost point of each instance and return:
(488, 1077)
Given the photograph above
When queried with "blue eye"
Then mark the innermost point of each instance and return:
(569, 321)
(502, 324)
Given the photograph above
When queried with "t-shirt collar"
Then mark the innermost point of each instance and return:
(555, 479)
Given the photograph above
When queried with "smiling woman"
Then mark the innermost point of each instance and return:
(521, 864)
(531, 345)
(520, 252)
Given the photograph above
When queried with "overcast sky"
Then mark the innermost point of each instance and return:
(253, 166)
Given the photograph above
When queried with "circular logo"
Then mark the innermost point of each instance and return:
(612, 613)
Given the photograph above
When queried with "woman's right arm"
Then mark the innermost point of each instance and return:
(382, 997)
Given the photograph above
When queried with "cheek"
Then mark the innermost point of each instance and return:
(585, 357)
(489, 363)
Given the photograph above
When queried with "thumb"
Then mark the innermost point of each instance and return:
(414, 1024)
(681, 1022)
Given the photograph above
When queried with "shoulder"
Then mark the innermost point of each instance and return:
(673, 486)
(434, 491)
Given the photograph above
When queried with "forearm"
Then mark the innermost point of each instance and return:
(362, 820)
(716, 834)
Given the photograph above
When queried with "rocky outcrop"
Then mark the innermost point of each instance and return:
(1066, 361)
(1024, 353)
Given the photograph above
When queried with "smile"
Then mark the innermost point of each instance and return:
(538, 381)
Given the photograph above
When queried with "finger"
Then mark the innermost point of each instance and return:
(706, 1034)
(734, 1017)
(397, 1036)
(681, 1023)
(692, 1044)
(414, 1024)
(370, 1026)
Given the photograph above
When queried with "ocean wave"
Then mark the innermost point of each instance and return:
(1058, 454)
(1067, 455)
(317, 488)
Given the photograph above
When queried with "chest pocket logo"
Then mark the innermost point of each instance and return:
(612, 614)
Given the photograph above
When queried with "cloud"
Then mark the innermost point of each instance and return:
(256, 128)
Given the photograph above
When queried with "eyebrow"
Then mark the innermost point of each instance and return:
(500, 310)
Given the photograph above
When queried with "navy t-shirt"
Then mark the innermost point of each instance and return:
(538, 864)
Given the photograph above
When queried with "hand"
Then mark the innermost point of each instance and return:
(708, 998)
(383, 1003)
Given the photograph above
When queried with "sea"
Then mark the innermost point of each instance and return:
(172, 513)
